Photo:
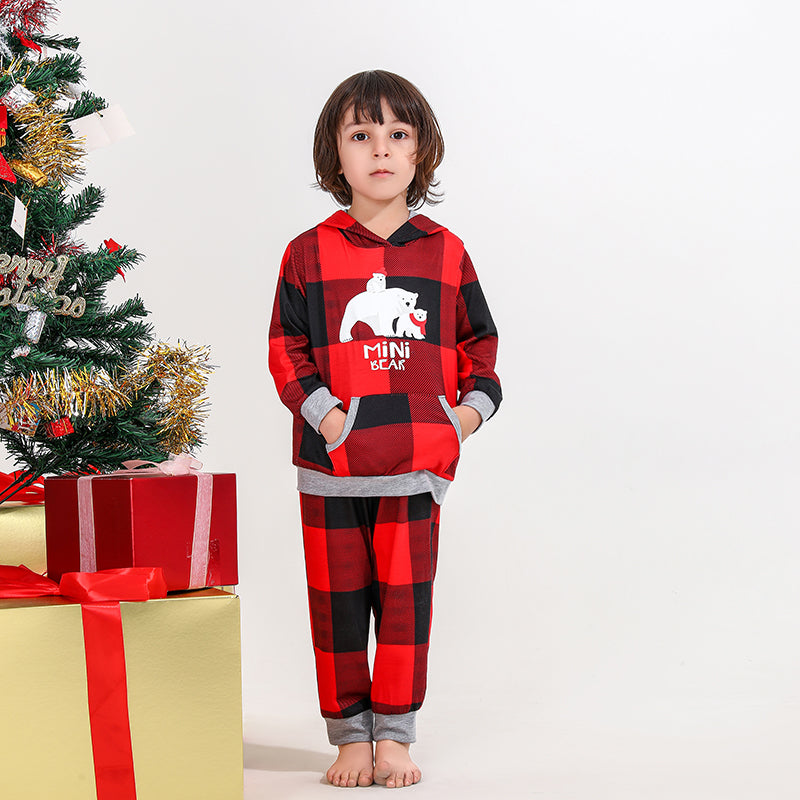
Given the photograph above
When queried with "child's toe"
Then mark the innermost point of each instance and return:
(365, 778)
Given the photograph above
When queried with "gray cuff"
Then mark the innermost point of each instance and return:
(481, 402)
(317, 405)
(397, 727)
(350, 729)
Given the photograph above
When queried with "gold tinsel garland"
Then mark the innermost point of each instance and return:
(182, 374)
(50, 151)
(49, 144)
(180, 371)
(57, 393)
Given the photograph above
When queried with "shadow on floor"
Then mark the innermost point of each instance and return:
(284, 759)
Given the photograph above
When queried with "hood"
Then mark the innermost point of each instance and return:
(417, 227)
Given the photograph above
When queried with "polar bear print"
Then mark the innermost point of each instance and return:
(379, 310)
(377, 283)
(412, 324)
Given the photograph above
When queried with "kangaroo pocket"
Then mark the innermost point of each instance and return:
(392, 434)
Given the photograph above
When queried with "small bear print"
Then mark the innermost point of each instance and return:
(412, 324)
(377, 283)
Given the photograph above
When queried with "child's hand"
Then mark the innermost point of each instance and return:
(332, 425)
(469, 419)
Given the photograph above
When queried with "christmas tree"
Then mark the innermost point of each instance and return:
(83, 385)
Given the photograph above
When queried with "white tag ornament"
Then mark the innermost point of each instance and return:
(102, 128)
(20, 218)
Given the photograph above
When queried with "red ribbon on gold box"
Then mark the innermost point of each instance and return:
(156, 689)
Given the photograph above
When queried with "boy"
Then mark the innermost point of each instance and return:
(383, 348)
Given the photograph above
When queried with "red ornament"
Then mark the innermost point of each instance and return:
(6, 173)
(59, 427)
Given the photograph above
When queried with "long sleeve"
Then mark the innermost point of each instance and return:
(295, 374)
(478, 385)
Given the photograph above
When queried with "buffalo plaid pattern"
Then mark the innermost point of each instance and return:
(397, 433)
(325, 268)
(370, 555)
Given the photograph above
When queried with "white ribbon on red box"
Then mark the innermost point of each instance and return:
(175, 465)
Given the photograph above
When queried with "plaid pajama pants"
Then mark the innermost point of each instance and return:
(370, 554)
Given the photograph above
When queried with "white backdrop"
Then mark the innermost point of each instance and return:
(618, 592)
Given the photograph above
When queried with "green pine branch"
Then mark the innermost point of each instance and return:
(59, 42)
(50, 76)
(86, 104)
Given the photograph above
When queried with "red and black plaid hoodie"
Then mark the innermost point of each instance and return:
(396, 332)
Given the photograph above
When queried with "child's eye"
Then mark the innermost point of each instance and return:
(360, 137)
(399, 135)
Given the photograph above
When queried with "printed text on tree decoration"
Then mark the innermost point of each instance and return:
(50, 272)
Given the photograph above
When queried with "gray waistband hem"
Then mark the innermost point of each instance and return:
(310, 481)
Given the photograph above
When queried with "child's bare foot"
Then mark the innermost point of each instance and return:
(353, 767)
(393, 765)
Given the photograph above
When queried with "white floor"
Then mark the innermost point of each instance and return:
(292, 765)
(475, 759)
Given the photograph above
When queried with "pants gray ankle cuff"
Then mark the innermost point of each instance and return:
(397, 727)
(350, 729)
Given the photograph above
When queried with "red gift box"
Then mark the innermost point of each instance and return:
(59, 427)
(132, 520)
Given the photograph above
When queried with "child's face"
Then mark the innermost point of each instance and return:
(377, 160)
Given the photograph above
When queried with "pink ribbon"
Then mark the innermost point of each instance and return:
(183, 464)
(176, 465)
(88, 562)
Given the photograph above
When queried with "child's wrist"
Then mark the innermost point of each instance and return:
(332, 425)
(469, 418)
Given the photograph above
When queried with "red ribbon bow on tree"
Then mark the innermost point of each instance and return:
(29, 43)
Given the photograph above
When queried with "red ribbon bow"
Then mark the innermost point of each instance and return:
(112, 247)
(29, 43)
(100, 594)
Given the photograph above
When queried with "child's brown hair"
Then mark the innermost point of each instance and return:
(363, 93)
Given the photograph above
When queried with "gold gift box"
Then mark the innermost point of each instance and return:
(183, 665)
(22, 539)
